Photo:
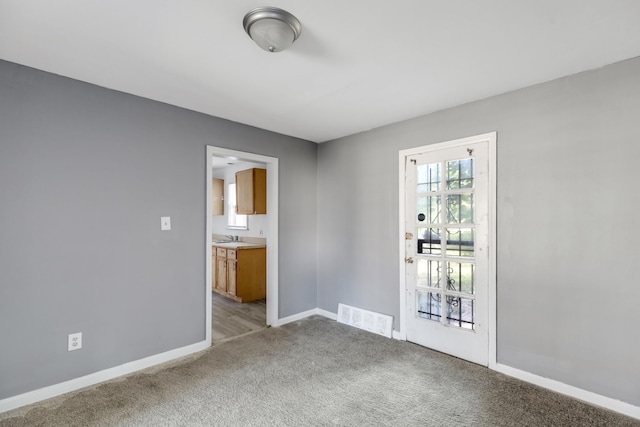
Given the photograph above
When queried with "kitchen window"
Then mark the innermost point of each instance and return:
(234, 221)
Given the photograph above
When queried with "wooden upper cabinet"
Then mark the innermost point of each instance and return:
(251, 191)
(218, 196)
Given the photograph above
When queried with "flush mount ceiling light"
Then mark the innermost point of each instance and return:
(271, 28)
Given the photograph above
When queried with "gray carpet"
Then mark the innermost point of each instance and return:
(315, 372)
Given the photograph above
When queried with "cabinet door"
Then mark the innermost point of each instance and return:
(231, 276)
(244, 192)
(221, 274)
(259, 191)
(251, 191)
(213, 269)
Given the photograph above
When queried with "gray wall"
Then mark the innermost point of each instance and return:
(568, 153)
(85, 174)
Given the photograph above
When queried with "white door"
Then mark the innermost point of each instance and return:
(446, 249)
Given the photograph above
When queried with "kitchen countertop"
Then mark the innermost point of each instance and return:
(238, 245)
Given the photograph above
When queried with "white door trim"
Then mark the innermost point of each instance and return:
(271, 235)
(401, 331)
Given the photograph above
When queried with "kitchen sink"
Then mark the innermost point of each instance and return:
(222, 241)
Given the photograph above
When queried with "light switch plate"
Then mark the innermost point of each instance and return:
(165, 223)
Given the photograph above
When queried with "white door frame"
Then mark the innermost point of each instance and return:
(401, 332)
(271, 234)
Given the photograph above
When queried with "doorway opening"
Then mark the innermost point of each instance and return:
(265, 230)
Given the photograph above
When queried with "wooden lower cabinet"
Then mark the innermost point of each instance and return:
(221, 274)
(232, 278)
(240, 274)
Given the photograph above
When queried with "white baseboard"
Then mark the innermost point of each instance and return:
(27, 398)
(305, 314)
(575, 392)
(320, 312)
(327, 314)
(296, 317)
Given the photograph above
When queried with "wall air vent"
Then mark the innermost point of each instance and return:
(377, 323)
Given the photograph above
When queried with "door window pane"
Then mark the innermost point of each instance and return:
(460, 242)
(460, 277)
(429, 273)
(429, 206)
(460, 173)
(429, 178)
(460, 208)
(460, 312)
(429, 241)
(429, 305)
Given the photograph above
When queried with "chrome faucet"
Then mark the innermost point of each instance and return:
(232, 238)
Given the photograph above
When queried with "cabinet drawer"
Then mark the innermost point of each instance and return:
(231, 254)
(221, 252)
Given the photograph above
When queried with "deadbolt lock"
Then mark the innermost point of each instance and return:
(408, 260)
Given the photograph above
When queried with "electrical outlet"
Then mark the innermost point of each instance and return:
(75, 341)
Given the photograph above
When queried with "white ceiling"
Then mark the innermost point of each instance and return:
(359, 64)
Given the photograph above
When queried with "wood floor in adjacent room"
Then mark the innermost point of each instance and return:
(230, 319)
